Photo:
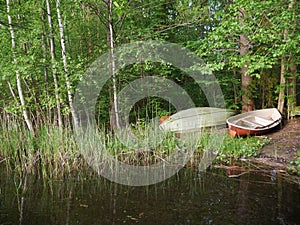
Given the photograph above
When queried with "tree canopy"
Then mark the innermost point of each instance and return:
(46, 47)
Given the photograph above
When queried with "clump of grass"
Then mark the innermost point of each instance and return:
(49, 151)
(294, 168)
(140, 145)
(224, 149)
(236, 148)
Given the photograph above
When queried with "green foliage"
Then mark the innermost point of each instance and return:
(295, 168)
(141, 154)
(50, 152)
(211, 29)
(236, 148)
(264, 24)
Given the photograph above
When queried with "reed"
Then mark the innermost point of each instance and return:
(52, 152)
(49, 151)
(139, 145)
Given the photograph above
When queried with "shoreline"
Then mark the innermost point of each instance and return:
(285, 143)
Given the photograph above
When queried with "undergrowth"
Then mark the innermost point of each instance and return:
(237, 148)
(52, 152)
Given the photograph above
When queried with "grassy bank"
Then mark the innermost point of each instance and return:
(51, 152)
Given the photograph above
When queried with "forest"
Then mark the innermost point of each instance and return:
(252, 48)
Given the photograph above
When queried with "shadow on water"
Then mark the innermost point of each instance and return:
(187, 198)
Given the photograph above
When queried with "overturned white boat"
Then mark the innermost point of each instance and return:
(196, 119)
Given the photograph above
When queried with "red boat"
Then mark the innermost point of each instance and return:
(254, 122)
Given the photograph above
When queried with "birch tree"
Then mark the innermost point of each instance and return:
(105, 14)
(53, 68)
(65, 64)
(110, 42)
(18, 76)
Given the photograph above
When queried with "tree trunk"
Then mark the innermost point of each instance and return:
(292, 88)
(64, 58)
(46, 69)
(281, 96)
(18, 78)
(282, 84)
(52, 54)
(114, 117)
(12, 91)
(90, 41)
(247, 98)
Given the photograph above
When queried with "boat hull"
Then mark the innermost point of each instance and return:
(195, 119)
(256, 122)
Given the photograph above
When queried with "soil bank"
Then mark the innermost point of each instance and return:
(285, 142)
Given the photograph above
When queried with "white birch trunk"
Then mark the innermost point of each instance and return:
(52, 54)
(12, 91)
(64, 58)
(46, 70)
(19, 85)
(112, 64)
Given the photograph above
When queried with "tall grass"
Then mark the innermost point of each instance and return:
(51, 151)
(138, 145)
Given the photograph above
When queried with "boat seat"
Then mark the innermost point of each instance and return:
(255, 121)
(263, 121)
(248, 123)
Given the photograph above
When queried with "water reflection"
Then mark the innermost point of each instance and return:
(187, 198)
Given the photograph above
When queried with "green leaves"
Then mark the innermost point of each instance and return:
(211, 29)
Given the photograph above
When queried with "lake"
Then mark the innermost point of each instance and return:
(188, 197)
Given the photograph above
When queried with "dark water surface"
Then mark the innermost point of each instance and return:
(187, 198)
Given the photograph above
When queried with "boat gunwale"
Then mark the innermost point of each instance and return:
(264, 128)
(221, 110)
(222, 113)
